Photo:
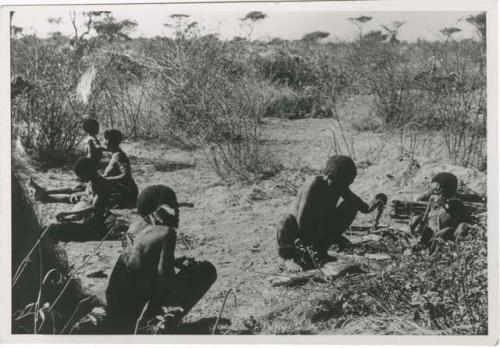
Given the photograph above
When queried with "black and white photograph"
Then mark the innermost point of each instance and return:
(261, 169)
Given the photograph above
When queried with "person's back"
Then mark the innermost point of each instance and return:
(145, 272)
(315, 203)
(119, 172)
(135, 274)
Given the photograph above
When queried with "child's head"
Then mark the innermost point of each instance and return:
(159, 203)
(85, 169)
(444, 184)
(91, 126)
(113, 138)
(341, 170)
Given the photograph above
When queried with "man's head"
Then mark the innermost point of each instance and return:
(85, 169)
(113, 138)
(91, 126)
(444, 185)
(158, 204)
(341, 170)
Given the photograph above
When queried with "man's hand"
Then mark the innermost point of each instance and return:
(74, 199)
(183, 262)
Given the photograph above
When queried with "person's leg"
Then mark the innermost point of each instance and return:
(427, 236)
(341, 220)
(462, 231)
(187, 288)
(287, 234)
(125, 298)
(41, 192)
(446, 233)
(415, 222)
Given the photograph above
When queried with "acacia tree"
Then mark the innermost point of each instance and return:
(181, 25)
(248, 22)
(315, 36)
(359, 22)
(479, 22)
(392, 30)
(449, 31)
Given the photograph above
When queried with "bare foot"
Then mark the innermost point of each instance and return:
(39, 193)
(292, 267)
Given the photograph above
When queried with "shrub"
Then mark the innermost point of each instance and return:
(46, 119)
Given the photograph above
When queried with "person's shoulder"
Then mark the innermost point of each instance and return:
(152, 234)
(314, 182)
(120, 156)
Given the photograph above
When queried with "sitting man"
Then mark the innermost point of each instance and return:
(118, 171)
(93, 151)
(89, 219)
(450, 221)
(93, 148)
(145, 272)
(318, 223)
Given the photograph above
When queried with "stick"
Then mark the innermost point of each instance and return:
(221, 310)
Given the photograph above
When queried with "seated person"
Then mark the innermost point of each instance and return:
(119, 173)
(146, 272)
(73, 194)
(318, 222)
(451, 219)
(89, 219)
(93, 149)
(70, 195)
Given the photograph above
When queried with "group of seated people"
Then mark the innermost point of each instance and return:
(319, 221)
(147, 276)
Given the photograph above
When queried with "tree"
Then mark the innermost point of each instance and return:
(315, 36)
(182, 26)
(360, 22)
(249, 21)
(479, 22)
(54, 20)
(449, 31)
(374, 36)
(392, 29)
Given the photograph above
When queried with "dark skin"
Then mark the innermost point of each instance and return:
(94, 147)
(315, 209)
(97, 204)
(116, 171)
(453, 219)
(146, 272)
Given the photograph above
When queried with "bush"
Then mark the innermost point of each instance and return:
(288, 103)
(46, 119)
(203, 93)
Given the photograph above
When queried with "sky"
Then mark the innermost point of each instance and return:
(281, 21)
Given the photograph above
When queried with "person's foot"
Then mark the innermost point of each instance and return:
(292, 267)
(38, 191)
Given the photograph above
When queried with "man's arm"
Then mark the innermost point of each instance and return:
(97, 202)
(353, 200)
(424, 196)
(166, 263)
(122, 168)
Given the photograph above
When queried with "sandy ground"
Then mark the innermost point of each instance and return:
(234, 226)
